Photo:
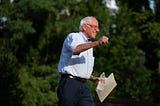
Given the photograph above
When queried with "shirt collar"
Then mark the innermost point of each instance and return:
(84, 37)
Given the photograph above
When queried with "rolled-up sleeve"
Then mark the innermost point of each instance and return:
(72, 41)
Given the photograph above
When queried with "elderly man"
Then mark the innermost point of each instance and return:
(76, 64)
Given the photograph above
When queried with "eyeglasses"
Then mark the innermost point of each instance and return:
(93, 26)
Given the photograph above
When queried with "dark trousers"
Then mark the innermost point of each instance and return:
(72, 92)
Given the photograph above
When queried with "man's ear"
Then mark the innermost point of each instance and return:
(84, 27)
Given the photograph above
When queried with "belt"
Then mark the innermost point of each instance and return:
(74, 77)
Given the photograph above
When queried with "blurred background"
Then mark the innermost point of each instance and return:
(31, 37)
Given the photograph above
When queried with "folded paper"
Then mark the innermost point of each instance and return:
(105, 86)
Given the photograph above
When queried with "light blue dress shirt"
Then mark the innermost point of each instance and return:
(78, 65)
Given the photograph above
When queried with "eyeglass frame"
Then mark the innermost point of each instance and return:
(93, 26)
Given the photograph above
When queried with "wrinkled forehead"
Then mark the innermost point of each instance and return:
(93, 21)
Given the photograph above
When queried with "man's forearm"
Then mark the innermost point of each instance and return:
(82, 47)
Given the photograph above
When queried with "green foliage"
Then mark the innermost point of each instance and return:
(150, 44)
(37, 85)
(8, 76)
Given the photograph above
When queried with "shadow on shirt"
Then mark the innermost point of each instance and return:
(77, 60)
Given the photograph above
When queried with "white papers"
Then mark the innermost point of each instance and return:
(105, 86)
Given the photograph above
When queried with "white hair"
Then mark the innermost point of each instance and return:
(85, 20)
